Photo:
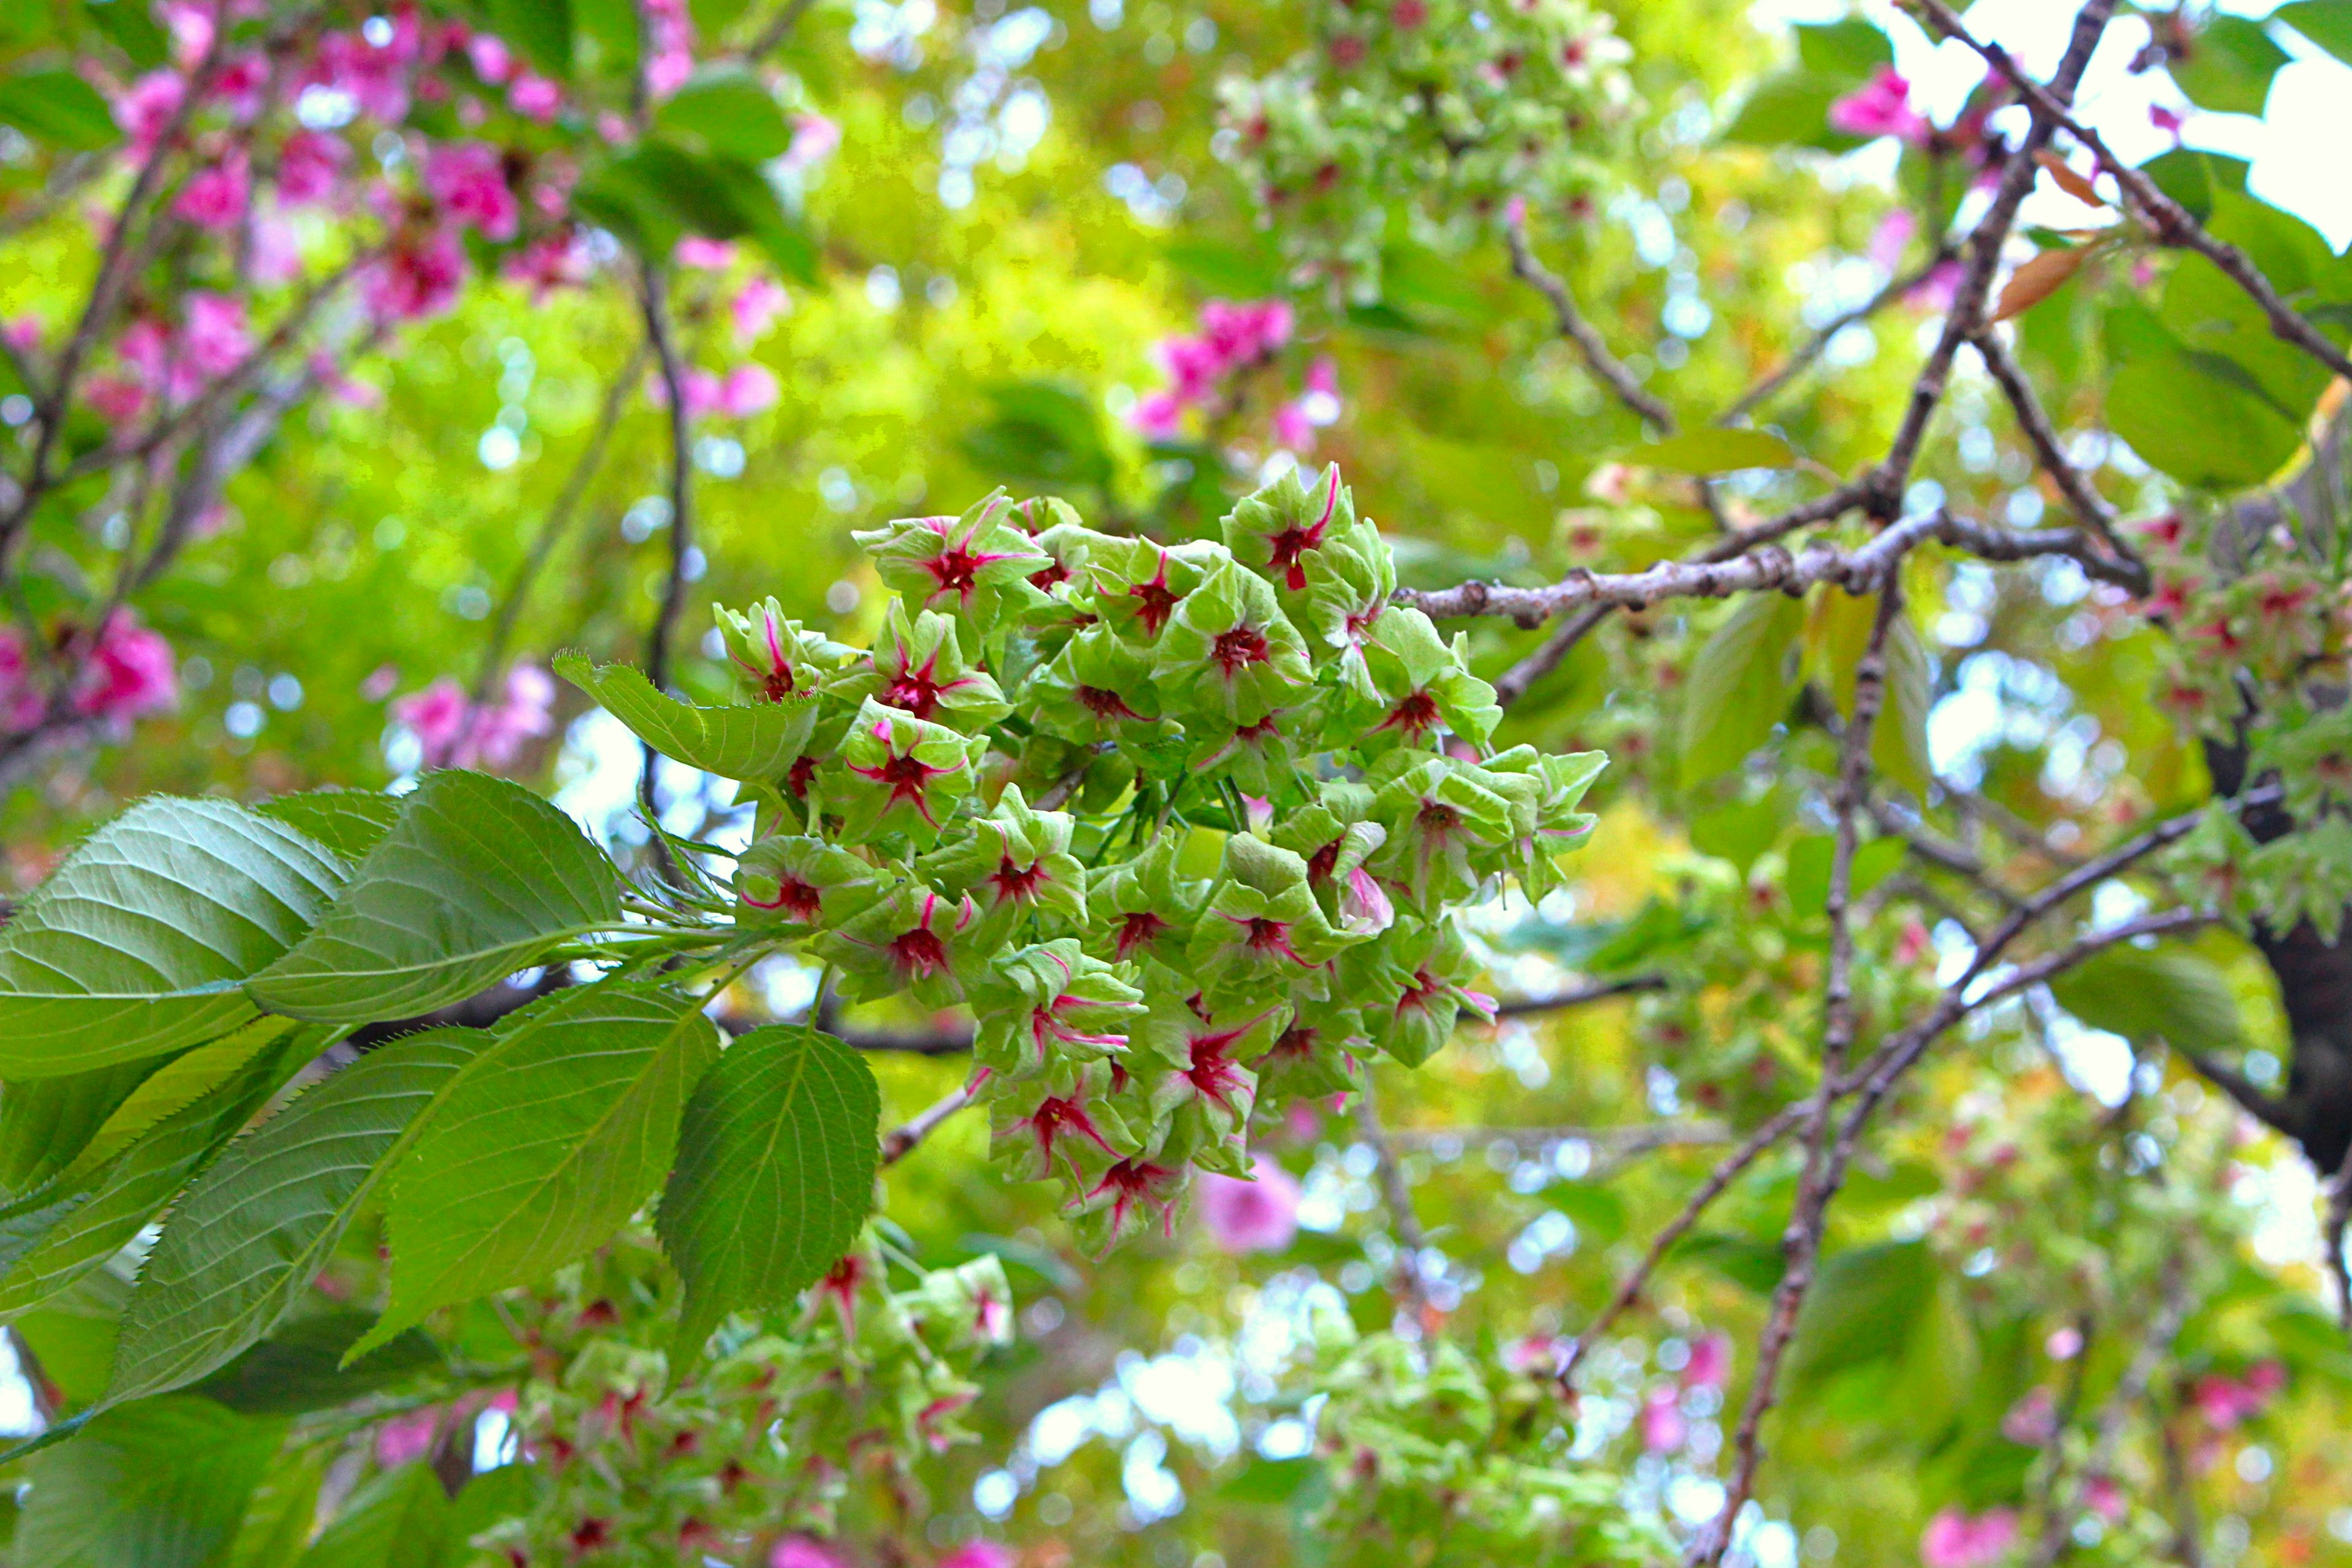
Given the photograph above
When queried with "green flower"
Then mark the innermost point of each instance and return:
(1282, 529)
(918, 667)
(1129, 1195)
(916, 943)
(1099, 687)
(1263, 932)
(1313, 1056)
(1227, 650)
(1015, 862)
(1049, 1004)
(778, 657)
(1137, 584)
(1447, 823)
(914, 772)
(1143, 908)
(1202, 1091)
(1337, 837)
(1260, 757)
(977, 565)
(1344, 610)
(1422, 683)
(800, 881)
(1560, 780)
(1413, 985)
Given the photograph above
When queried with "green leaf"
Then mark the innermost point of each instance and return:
(478, 879)
(657, 191)
(541, 30)
(2229, 64)
(1740, 684)
(351, 822)
(754, 741)
(58, 107)
(2327, 23)
(712, 16)
(399, 1520)
(2186, 415)
(1791, 109)
(1811, 857)
(1741, 831)
(1862, 1308)
(724, 109)
(161, 1484)
(255, 1229)
(775, 1174)
(542, 1147)
(1268, 1481)
(278, 1519)
(135, 945)
(1714, 451)
(131, 29)
(2147, 993)
(2194, 177)
(72, 1335)
(1237, 269)
(301, 1369)
(1851, 49)
(45, 1122)
(1899, 744)
(57, 1239)
(610, 30)
(1046, 433)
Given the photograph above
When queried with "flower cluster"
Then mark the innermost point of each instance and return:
(456, 732)
(1464, 106)
(1209, 372)
(1183, 827)
(125, 672)
(751, 1457)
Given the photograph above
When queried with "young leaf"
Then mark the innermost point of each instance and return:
(755, 740)
(775, 1174)
(134, 946)
(2038, 278)
(2228, 66)
(301, 1368)
(541, 1147)
(255, 1227)
(2327, 23)
(159, 1485)
(48, 1246)
(478, 880)
(1740, 685)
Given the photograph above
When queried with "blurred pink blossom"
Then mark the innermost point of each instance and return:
(1663, 1426)
(191, 26)
(1957, 1540)
(979, 1554)
(551, 262)
(709, 254)
(1890, 238)
(814, 139)
(2063, 1344)
(1535, 1353)
(419, 279)
(215, 199)
(748, 389)
(145, 109)
(453, 733)
(406, 1437)
(343, 388)
(240, 83)
(130, 673)
(491, 60)
(2105, 1499)
(470, 181)
(23, 333)
(2032, 1420)
(799, 1552)
(277, 250)
(20, 698)
(215, 341)
(308, 165)
(534, 96)
(1937, 291)
(1880, 108)
(2166, 120)
(1160, 415)
(1710, 1363)
(117, 399)
(1259, 1216)
(756, 306)
(2225, 1402)
(376, 75)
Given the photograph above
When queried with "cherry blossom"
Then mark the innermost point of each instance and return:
(130, 673)
(1258, 1216)
(1957, 1540)
(1882, 107)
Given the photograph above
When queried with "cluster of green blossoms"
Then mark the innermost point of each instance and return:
(1182, 825)
(783, 1425)
(1456, 106)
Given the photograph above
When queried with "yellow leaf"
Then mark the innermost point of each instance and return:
(2070, 180)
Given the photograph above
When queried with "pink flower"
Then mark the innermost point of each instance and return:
(454, 734)
(2225, 1402)
(21, 704)
(191, 26)
(145, 110)
(1239, 332)
(470, 181)
(23, 333)
(748, 389)
(555, 261)
(1888, 240)
(1882, 108)
(2063, 1344)
(708, 255)
(117, 399)
(814, 139)
(308, 165)
(668, 71)
(380, 682)
(534, 96)
(1535, 1354)
(215, 341)
(2032, 1420)
(1956, 1540)
(1160, 415)
(344, 390)
(277, 250)
(419, 279)
(241, 82)
(1937, 291)
(756, 306)
(1710, 1363)
(437, 716)
(1663, 1426)
(2105, 1499)
(1259, 1216)
(130, 673)
(979, 1554)
(799, 1552)
(406, 1437)
(524, 713)
(2165, 119)
(491, 60)
(376, 76)
(216, 197)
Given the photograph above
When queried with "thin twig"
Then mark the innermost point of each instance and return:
(1814, 347)
(901, 1141)
(1580, 332)
(2089, 505)
(1513, 683)
(1630, 1138)
(774, 35)
(653, 298)
(1397, 1195)
(1768, 567)
(1579, 996)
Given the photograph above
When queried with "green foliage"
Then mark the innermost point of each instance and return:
(2151, 994)
(161, 1485)
(1740, 685)
(774, 1177)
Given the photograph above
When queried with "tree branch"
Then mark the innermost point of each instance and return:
(653, 298)
(1572, 326)
(903, 1139)
(1579, 997)
(2089, 506)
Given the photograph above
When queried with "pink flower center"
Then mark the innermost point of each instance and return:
(957, 571)
(1102, 703)
(1157, 603)
(1239, 648)
(1139, 929)
(920, 952)
(794, 896)
(1017, 882)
